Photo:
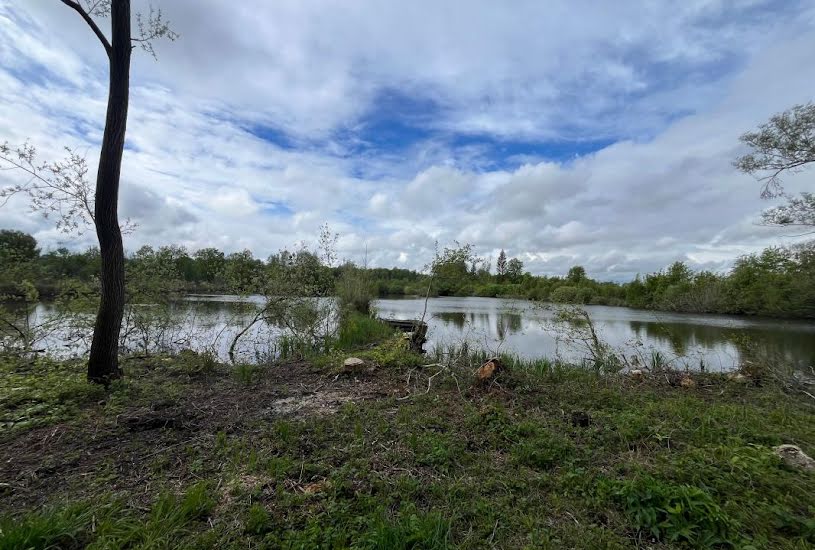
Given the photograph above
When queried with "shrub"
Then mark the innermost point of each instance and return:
(357, 330)
(355, 290)
(564, 295)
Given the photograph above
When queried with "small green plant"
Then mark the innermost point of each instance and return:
(410, 530)
(538, 448)
(247, 373)
(41, 392)
(258, 520)
(49, 528)
(437, 451)
(197, 364)
(108, 524)
(658, 361)
(284, 431)
(394, 353)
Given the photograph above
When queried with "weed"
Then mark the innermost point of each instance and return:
(41, 392)
(247, 373)
(50, 528)
(409, 530)
(539, 448)
(258, 520)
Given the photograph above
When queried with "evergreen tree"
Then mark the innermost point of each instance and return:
(501, 264)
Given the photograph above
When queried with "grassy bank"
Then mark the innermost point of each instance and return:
(188, 453)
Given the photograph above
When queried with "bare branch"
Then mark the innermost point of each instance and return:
(59, 189)
(152, 28)
(100, 7)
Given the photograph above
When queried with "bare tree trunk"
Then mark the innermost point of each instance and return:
(103, 363)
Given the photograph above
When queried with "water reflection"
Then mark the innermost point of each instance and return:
(716, 341)
(719, 342)
(455, 318)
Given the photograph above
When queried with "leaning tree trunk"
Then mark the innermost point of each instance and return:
(103, 363)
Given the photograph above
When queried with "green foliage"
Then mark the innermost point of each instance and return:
(247, 373)
(242, 272)
(357, 331)
(576, 274)
(501, 264)
(17, 247)
(564, 295)
(108, 524)
(394, 353)
(355, 290)
(258, 520)
(196, 364)
(779, 281)
(539, 448)
(53, 528)
(786, 143)
(673, 512)
(408, 531)
(42, 391)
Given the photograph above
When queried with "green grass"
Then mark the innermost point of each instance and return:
(357, 330)
(109, 524)
(40, 391)
(450, 465)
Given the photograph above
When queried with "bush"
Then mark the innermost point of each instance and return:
(355, 290)
(357, 330)
(564, 295)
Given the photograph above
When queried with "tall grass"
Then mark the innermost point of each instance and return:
(357, 331)
(355, 290)
(463, 355)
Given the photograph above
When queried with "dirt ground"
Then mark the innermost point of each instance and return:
(66, 457)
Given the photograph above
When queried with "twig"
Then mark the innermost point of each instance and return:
(494, 529)
(172, 446)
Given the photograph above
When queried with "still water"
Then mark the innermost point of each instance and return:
(517, 326)
(719, 342)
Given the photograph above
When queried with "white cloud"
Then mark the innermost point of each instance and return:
(676, 84)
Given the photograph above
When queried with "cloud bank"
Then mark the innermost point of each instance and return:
(563, 132)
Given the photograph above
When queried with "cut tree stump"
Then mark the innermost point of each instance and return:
(488, 370)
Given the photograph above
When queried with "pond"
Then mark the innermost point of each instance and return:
(716, 342)
(526, 328)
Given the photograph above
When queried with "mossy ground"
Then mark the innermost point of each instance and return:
(187, 453)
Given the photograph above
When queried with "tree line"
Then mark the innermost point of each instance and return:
(777, 282)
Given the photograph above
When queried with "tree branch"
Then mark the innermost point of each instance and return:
(91, 23)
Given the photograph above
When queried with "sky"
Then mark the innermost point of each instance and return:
(566, 132)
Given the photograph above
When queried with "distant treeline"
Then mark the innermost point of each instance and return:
(778, 282)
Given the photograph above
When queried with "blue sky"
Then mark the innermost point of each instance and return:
(567, 133)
